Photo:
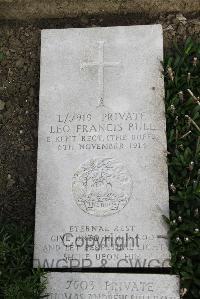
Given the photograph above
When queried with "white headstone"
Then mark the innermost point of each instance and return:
(112, 286)
(102, 184)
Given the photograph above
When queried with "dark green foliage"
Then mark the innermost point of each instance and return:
(2, 56)
(182, 85)
(17, 278)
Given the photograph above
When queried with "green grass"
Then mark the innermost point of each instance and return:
(17, 278)
(19, 281)
(182, 85)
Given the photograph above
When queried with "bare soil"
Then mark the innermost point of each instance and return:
(19, 98)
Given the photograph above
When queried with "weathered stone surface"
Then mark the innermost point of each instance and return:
(112, 286)
(102, 177)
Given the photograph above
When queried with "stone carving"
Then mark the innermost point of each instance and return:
(102, 186)
(101, 65)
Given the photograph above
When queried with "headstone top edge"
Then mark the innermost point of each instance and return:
(155, 26)
(161, 275)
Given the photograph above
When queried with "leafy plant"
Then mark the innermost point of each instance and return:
(182, 85)
(17, 278)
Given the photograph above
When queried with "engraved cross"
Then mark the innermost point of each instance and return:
(101, 65)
